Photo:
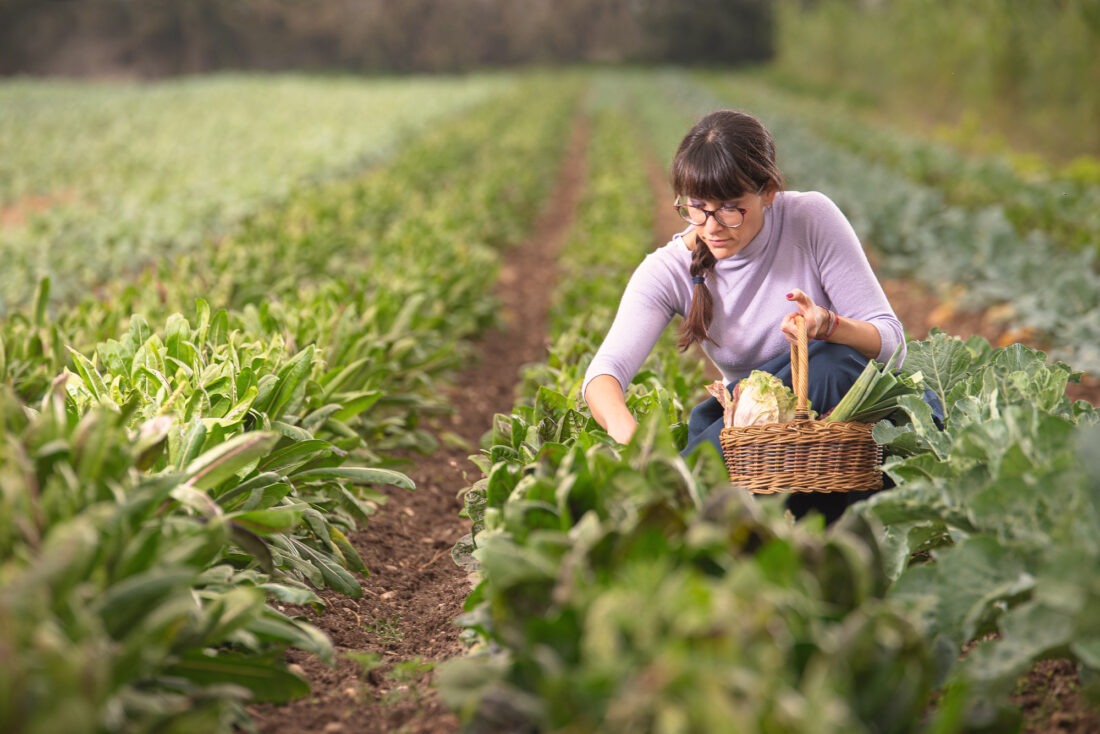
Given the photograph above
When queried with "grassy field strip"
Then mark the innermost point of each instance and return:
(101, 179)
(348, 235)
(198, 464)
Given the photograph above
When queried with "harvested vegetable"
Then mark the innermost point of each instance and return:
(763, 399)
(875, 393)
(756, 400)
(726, 399)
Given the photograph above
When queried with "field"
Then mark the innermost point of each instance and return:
(293, 440)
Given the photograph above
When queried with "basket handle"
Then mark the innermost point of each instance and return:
(800, 369)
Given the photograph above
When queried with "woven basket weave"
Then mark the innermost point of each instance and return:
(802, 455)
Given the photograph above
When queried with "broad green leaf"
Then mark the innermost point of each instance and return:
(212, 467)
(335, 576)
(284, 592)
(149, 355)
(229, 611)
(356, 475)
(237, 412)
(925, 434)
(122, 605)
(190, 445)
(159, 381)
(335, 381)
(277, 627)
(319, 526)
(348, 551)
(291, 431)
(177, 340)
(975, 579)
(219, 328)
(259, 485)
(1028, 633)
(267, 682)
(291, 382)
(358, 504)
(91, 377)
(41, 301)
(94, 444)
(267, 522)
(354, 404)
(202, 316)
(1087, 650)
(508, 564)
(401, 323)
(942, 360)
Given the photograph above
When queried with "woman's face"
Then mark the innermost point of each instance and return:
(725, 241)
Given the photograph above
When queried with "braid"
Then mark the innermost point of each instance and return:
(697, 322)
(724, 156)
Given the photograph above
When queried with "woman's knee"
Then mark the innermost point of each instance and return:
(704, 414)
(833, 369)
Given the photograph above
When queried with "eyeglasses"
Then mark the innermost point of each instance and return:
(728, 216)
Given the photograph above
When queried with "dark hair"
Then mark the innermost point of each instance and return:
(726, 155)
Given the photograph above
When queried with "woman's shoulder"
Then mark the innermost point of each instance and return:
(669, 260)
(809, 202)
(676, 250)
(811, 213)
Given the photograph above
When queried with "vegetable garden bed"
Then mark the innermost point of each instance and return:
(358, 386)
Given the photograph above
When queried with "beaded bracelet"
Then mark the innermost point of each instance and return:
(834, 321)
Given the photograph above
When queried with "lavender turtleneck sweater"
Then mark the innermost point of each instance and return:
(806, 242)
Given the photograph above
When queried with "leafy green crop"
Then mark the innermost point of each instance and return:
(626, 588)
(191, 444)
(1003, 502)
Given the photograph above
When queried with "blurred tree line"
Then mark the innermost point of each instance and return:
(151, 38)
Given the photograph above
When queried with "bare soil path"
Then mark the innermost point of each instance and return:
(415, 592)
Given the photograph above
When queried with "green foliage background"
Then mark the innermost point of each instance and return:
(1025, 71)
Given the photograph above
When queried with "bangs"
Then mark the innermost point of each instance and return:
(710, 173)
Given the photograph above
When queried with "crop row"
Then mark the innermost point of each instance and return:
(100, 180)
(627, 588)
(198, 442)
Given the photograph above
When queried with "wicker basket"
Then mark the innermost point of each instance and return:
(803, 455)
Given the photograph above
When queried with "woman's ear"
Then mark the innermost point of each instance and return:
(769, 195)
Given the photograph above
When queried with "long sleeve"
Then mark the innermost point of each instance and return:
(848, 283)
(644, 311)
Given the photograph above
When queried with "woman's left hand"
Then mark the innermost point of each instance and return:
(817, 317)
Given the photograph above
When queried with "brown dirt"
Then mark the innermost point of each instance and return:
(415, 592)
(1050, 700)
(18, 213)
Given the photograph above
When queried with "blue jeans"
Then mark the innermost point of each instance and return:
(833, 368)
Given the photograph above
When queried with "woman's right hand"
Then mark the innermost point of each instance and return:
(607, 402)
(817, 317)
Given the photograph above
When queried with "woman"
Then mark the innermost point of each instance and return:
(751, 258)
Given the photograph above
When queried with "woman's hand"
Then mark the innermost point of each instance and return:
(607, 402)
(817, 317)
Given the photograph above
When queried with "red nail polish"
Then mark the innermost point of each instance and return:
(790, 296)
